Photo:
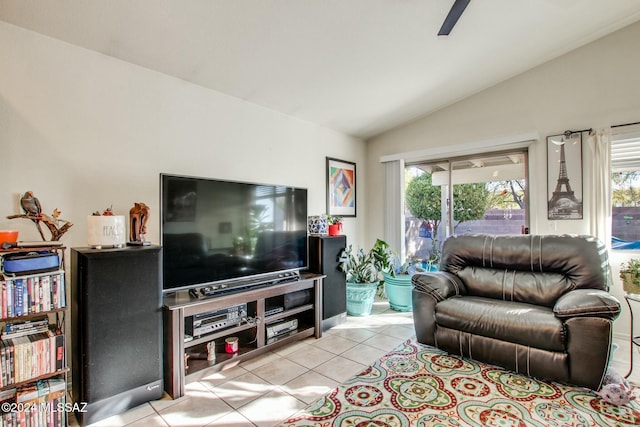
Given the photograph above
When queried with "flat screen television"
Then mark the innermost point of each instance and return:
(222, 234)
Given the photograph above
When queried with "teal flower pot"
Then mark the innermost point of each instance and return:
(360, 297)
(398, 290)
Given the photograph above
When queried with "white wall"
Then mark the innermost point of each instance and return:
(85, 131)
(592, 87)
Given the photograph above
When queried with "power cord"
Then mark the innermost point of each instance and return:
(253, 321)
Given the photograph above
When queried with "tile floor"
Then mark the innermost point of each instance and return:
(268, 390)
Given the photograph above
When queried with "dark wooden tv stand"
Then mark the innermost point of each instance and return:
(185, 357)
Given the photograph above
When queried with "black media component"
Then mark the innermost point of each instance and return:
(298, 299)
(243, 285)
(221, 235)
(324, 254)
(273, 309)
(116, 329)
(206, 323)
(279, 329)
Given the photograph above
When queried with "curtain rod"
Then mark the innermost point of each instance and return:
(568, 133)
(625, 124)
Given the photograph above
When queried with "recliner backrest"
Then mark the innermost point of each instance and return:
(526, 268)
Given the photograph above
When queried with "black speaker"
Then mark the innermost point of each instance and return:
(116, 324)
(324, 255)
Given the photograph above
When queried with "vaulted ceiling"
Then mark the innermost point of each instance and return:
(357, 66)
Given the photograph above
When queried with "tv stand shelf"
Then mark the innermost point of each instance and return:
(288, 313)
(186, 362)
(216, 335)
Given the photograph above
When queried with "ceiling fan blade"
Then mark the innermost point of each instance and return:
(454, 14)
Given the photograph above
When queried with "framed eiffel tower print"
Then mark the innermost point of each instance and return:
(564, 176)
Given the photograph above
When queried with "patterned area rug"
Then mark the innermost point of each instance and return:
(417, 385)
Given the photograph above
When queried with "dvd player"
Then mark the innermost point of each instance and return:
(281, 328)
(270, 311)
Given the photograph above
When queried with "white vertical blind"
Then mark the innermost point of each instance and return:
(393, 200)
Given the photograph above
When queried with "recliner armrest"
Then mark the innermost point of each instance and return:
(587, 303)
(440, 285)
(428, 290)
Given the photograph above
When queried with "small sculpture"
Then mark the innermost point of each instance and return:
(211, 352)
(106, 212)
(33, 210)
(615, 388)
(138, 216)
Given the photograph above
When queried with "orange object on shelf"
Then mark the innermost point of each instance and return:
(8, 236)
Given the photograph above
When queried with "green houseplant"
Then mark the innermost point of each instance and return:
(364, 275)
(630, 275)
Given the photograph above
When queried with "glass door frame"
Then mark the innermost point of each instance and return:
(447, 200)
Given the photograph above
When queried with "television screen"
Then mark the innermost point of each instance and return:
(216, 232)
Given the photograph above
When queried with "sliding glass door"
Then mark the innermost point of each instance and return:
(477, 194)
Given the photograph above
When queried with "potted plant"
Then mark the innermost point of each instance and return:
(630, 275)
(397, 282)
(364, 275)
(335, 225)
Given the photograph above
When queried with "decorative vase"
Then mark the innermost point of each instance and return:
(360, 297)
(106, 231)
(399, 291)
(335, 229)
(317, 225)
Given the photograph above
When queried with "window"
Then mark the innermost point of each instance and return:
(625, 187)
(488, 194)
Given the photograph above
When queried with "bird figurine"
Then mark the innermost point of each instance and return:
(33, 211)
(31, 205)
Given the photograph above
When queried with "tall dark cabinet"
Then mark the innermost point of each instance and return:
(324, 254)
(116, 323)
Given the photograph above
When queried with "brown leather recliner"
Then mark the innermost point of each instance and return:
(538, 305)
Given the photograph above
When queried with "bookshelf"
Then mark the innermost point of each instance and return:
(33, 363)
(296, 303)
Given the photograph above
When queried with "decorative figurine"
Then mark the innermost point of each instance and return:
(33, 210)
(106, 212)
(138, 216)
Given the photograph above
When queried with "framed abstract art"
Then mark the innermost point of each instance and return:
(341, 187)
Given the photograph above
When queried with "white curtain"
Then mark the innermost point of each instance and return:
(599, 143)
(393, 199)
